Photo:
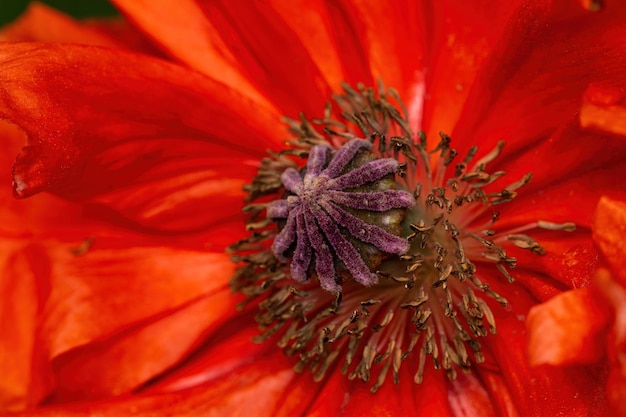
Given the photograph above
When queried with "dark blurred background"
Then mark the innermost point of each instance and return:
(10, 9)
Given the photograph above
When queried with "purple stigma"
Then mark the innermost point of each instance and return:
(317, 226)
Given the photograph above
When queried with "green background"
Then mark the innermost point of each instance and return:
(10, 9)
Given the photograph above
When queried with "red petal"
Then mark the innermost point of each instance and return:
(460, 37)
(330, 43)
(22, 285)
(185, 33)
(358, 46)
(41, 312)
(499, 391)
(534, 81)
(349, 42)
(609, 229)
(167, 185)
(228, 347)
(267, 50)
(616, 388)
(468, 397)
(256, 389)
(571, 199)
(329, 401)
(390, 50)
(568, 328)
(542, 287)
(77, 304)
(126, 360)
(604, 109)
(554, 159)
(530, 391)
(43, 91)
(41, 23)
(88, 292)
(557, 271)
(616, 385)
(230, 351)
(428, 399)
(315, 31)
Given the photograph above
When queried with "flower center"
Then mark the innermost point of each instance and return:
(317, 217)
(366, 258)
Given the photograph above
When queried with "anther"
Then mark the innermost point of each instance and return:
(396, 245)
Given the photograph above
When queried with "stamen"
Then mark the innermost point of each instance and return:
(566, 227)
(392, 245)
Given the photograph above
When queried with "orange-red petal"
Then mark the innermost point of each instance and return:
(604, 109)
(460, 38)
(568, 328)
(615, 294)
(121, 363)
(42, 89)
(184, 33)
(530, 391)
(22, 285)
(567, 199)
(106, 316)
(267, 50)
(534, 80)
(258, 388)
(609, 233)
(167, 185)
(89, 293)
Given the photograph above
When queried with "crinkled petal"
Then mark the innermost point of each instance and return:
(575, 197)
(604, 109)
(460, 36)
(184, 33)
(616, 384)
(259, 388)
(128, 359)
(609, 231)
(543, 391)
(94, 295)
(266, 49)
(166, 185)
(99, 322)
(23, 288)
(468, 397)
(539, 71)
(141, 99)
(568, 328)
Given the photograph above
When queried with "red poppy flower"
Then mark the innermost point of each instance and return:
(117, 291)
